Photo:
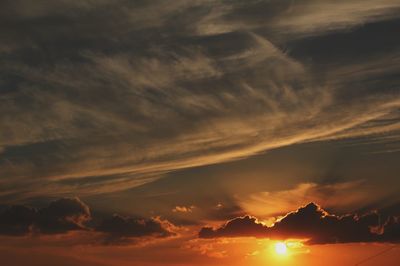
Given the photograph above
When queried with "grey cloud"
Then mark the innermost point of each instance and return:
(71, 214)
(63, 215)
(324, 16)
(132, 90)
(17, 220)
(238, 227)
(392, 230)
(288, 19)
(120, 229)
(60, 216)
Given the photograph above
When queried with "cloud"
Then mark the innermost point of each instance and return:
(17, 220)
(392, 230)
(314, 224)
(120, 229)
(324, 16)
(289, 19)
(63, 215)
(156, 87)
(183, 209)
(67, 215)
(341, 196)
(238, 227)
(60, 216)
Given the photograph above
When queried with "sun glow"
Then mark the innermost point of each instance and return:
(281, 248)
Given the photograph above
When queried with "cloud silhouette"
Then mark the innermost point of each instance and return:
(60, 216)
(121, 227)
(242, 226)
(392, 230)
(316, 225)
(17, 220)
(71, 214)
(63, 215)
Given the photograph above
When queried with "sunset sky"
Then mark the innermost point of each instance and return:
(199, 132)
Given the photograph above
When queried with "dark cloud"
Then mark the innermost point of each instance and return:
(17, 220)
(238, 227)
(392, 230)
(120, 229)
(63, 215)
(176, 81)
(71, 214)
(60, 216)
(313, 223)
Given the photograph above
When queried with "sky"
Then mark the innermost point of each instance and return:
(203, 132)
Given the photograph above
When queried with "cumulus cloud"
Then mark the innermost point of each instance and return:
(17, 220)
(63, 215)
(242, 226)
(71, 214)
(60, 216)
(119, 227)
(315, 225)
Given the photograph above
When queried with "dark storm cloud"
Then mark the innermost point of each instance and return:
(313, 223)
(100, 96)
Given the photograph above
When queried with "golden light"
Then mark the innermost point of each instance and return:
(281, 248)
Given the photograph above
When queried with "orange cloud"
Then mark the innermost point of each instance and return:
(183, 209)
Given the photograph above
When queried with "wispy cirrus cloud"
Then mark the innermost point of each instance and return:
(114, 94)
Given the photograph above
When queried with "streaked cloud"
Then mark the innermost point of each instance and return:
(101, 96)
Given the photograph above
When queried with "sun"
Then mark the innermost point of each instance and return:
(280, 248)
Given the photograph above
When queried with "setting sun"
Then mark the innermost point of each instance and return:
(281, 248)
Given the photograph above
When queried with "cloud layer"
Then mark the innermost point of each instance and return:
(314, 224)
(100, 96)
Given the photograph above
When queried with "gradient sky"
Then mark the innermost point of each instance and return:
(177, 132)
